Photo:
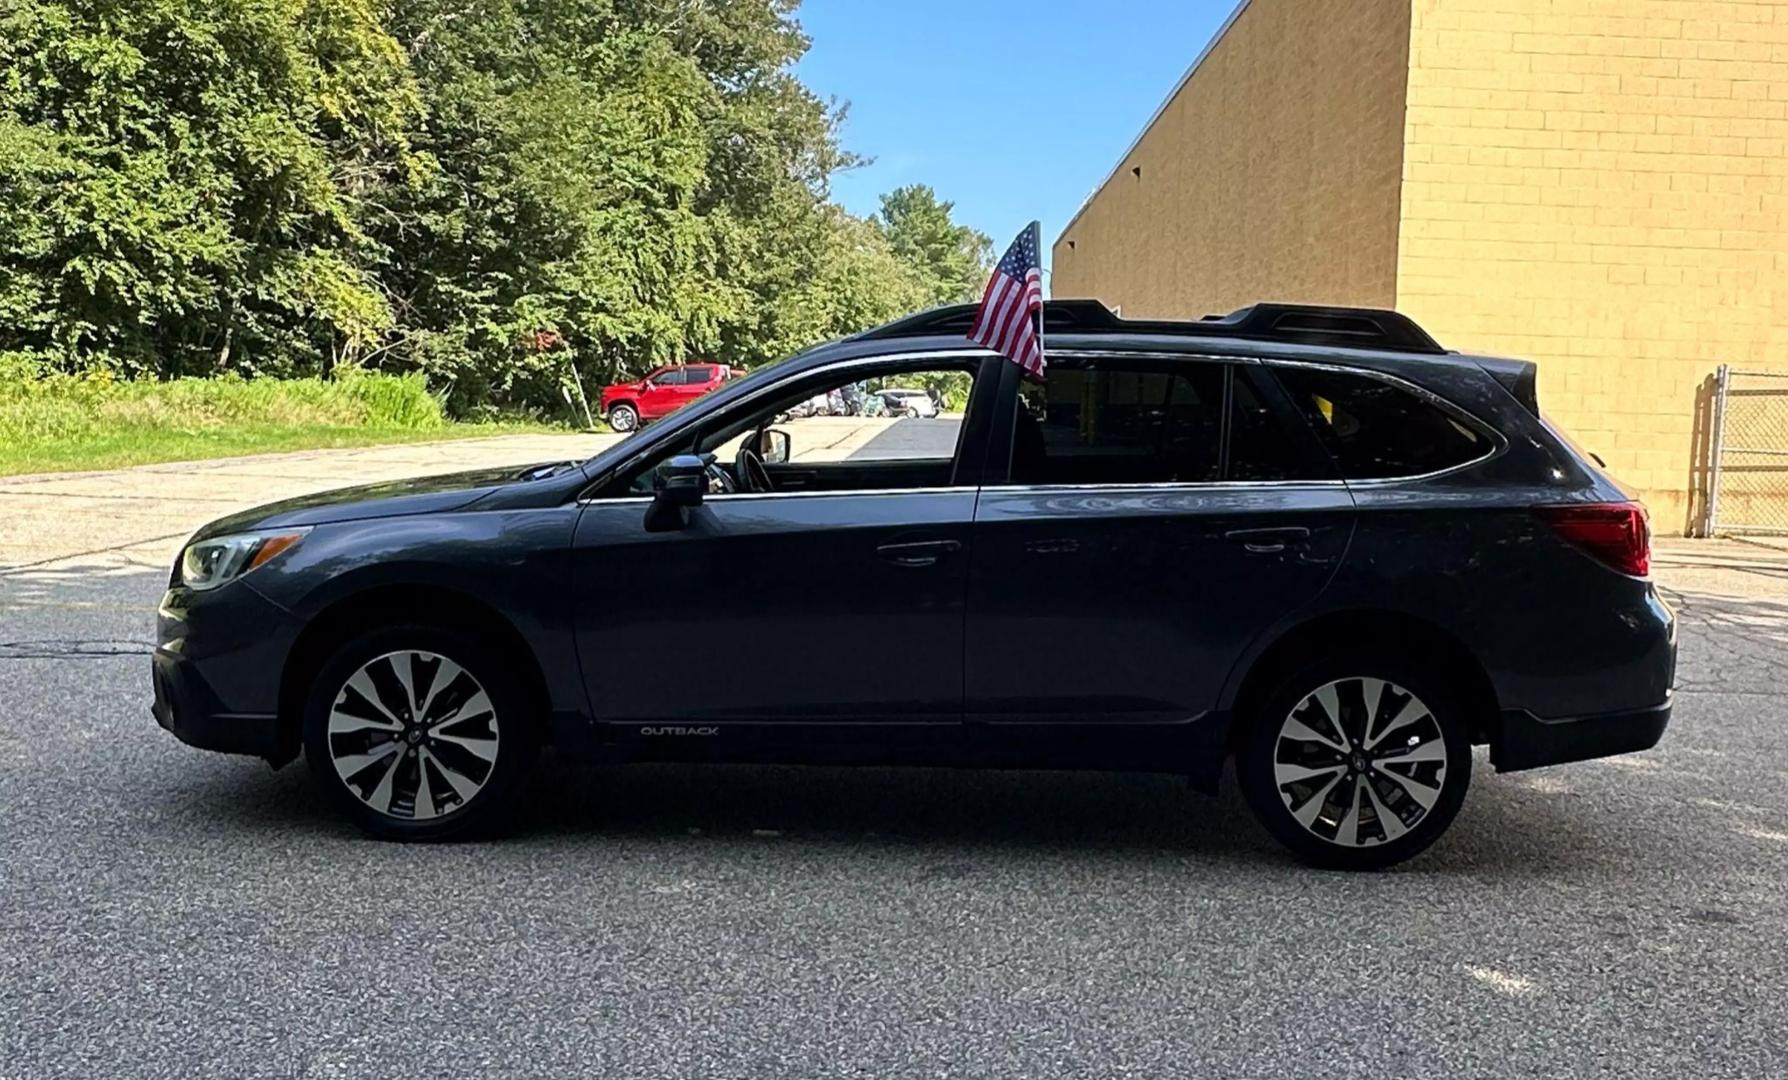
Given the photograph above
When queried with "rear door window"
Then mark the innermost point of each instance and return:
(1116, 423)
(1376, 430)
(1266, 444)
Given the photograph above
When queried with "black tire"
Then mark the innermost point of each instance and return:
(450, 750)
(623, 418)
(1271, 750)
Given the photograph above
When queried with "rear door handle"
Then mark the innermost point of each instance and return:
(1268, 541)
(918, 552)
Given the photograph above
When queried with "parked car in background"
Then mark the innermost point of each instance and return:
(910, 403)
(628, 405)
(817, 405)
(1308, 540)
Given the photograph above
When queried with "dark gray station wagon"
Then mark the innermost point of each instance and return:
(1308, 540)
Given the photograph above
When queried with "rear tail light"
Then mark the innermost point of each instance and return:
(1617, 534)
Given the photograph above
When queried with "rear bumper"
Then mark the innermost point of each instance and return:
(186, 705)
(1525, 741)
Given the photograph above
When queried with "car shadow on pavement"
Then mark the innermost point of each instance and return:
(847, 813)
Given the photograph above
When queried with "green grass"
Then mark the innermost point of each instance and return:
(59, 423)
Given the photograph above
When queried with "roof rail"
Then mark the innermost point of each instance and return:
(1310, 324)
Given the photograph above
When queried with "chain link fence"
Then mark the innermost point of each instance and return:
(1747, 472)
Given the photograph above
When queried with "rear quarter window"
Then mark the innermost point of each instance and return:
(1376, 430)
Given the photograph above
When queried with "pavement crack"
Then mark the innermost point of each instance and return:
(19, 568)
(72, 649)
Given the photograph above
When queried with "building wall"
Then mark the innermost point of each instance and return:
(1599, 185)
(1272, 173)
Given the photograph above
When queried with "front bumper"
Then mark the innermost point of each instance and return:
(1525, 741)
(186, 705)
(216, 671)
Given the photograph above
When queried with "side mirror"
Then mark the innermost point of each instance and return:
(774, 446)
(680, 484)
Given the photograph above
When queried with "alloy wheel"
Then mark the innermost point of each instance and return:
(413, 735)
(1359, 761)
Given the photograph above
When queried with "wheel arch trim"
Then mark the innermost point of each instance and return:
(386, 603)
(1252, 677)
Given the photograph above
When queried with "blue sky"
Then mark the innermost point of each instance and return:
(934, 86)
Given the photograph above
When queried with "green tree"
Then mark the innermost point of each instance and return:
(952, 259)
(855, 282)
(184, 184)
(496, 192)
(629, 181)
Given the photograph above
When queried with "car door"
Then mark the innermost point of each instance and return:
(697, 380)
(806, 625)
(660, 397)
(1155, 515)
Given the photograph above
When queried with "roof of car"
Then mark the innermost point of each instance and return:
(1372, 337)
(1305, 324)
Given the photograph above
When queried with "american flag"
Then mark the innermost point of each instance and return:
(1011, 317)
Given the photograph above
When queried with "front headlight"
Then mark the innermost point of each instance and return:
(206, 564)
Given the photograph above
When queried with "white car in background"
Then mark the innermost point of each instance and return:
(817, 405)
(914, 403)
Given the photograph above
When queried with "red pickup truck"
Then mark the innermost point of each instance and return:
(669, 388)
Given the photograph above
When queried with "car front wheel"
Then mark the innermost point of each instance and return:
(418, 731)
(1357, 765)
(623, 418)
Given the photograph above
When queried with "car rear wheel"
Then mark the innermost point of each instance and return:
(623, 418)
(1355, 764)
(419, 732)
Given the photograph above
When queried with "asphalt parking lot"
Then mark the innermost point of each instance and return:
(168, 912)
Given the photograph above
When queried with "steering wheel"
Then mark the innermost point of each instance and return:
(752, 474)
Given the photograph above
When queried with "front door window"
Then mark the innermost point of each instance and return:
(861, 445)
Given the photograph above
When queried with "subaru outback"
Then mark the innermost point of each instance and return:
(1308, 541)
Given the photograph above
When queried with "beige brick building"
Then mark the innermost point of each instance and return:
(1597, 185)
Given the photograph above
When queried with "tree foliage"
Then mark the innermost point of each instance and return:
(952, 259)
(183, 185)
(489, 191)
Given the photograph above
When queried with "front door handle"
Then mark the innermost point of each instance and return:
(918, 552)
(1268, 541)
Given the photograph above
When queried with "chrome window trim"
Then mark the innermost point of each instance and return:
(736, 496)
(1499, 443)
(1166, 485)
(1152, 354)
(965, 353)
(739, 496)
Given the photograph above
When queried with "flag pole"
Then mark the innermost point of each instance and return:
(1042, 356)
